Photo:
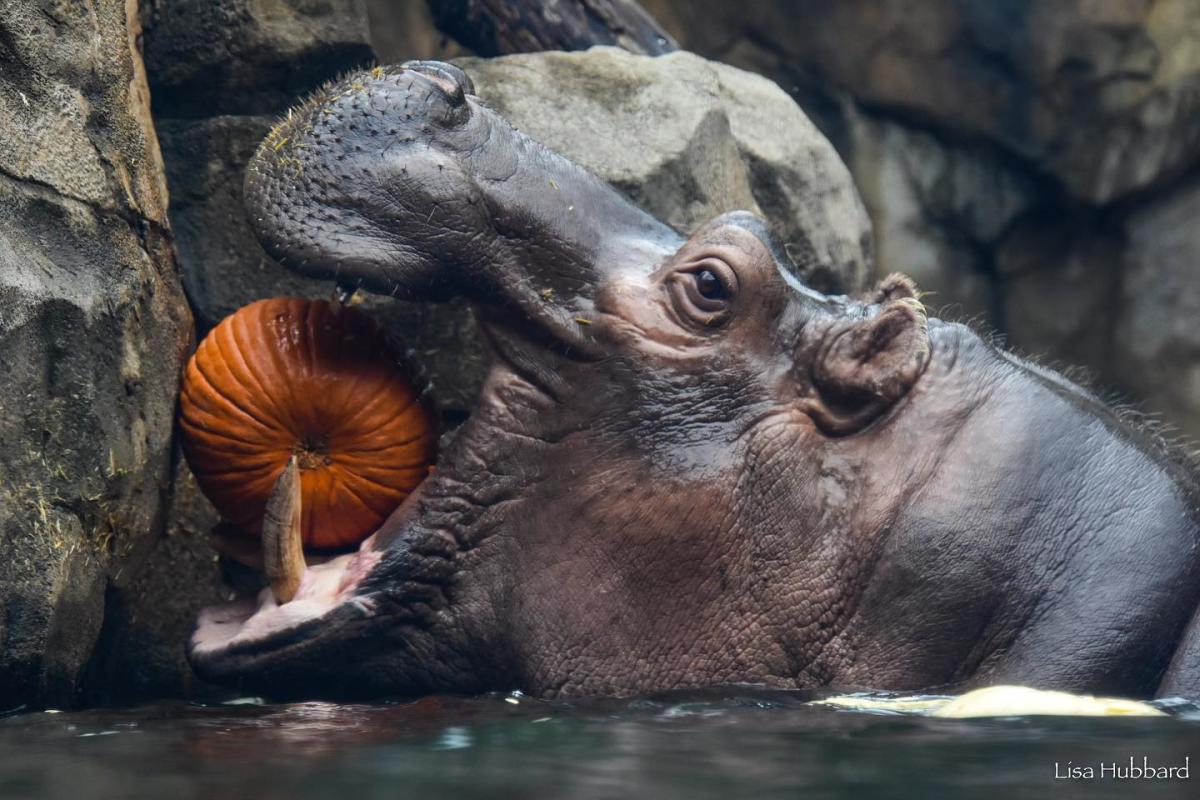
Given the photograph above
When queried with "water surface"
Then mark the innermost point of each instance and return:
(726, 744)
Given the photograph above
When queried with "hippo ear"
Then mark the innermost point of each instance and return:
(863, 367)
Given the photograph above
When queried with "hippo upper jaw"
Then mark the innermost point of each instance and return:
(322, 206)
(400, 181)
(360, 624)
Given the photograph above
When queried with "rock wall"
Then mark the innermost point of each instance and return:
(1033, 163)
(93, 331)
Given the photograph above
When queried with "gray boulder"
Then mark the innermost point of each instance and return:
(150, 610)
(687, 139)
(93, 332)
(1061, 275)
(1103, 96)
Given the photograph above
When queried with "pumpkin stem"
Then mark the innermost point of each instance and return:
(283, 551)
(312, 452)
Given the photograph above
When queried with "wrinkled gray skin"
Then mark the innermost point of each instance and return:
(670, 482)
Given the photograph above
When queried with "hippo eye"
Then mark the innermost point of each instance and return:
(709, 285)
(703, 292)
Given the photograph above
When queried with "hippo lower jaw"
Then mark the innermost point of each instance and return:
(229, 638)
(385, 582)
(262, 623)
(233, 640)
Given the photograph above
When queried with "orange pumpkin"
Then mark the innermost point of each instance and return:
(286, 377)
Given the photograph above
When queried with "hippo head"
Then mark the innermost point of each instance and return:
(684, 465)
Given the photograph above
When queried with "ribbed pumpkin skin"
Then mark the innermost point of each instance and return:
(291, 376)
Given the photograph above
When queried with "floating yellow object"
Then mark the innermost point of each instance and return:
(918, 704)
(998, 701)
(1022, 701)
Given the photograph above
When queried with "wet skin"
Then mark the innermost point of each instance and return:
(687, 469)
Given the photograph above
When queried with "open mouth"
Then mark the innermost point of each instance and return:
(257, 622)
(309, 594)
(305, 590)
(228, 639)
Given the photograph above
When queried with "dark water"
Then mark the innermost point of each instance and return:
(730, 744)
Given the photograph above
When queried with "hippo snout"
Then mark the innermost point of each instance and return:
(399, 180)
(338, 185)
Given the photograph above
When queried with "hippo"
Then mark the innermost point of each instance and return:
(686, 468)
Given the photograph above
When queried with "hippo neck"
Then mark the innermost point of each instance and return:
(856, 507)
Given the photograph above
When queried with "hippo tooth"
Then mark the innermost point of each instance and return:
(283, 552)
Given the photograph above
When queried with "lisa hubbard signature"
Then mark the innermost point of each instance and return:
(1121, 771)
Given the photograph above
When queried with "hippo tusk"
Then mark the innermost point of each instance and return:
(283, 552)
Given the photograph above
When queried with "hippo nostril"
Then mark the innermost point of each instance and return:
(453, 82)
